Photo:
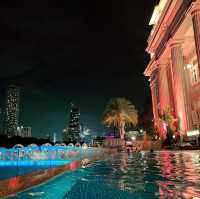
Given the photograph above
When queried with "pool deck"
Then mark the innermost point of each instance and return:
(20, 183)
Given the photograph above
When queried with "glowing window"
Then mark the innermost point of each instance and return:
(194, 72)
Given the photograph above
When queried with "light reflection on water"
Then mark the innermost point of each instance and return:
(167, 174)
(144, 175)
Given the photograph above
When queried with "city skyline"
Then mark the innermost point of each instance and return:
(95, 128)
(40, 131)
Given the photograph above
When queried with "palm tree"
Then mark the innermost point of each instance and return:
(118, 113)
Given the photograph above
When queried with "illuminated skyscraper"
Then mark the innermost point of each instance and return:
(12, 110)
(24, 131)
(72, 133)
(54, 138)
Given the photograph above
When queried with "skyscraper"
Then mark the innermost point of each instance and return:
(54, 138)
(72, 133)
(24, 131)
(12, 110)
(1, 121)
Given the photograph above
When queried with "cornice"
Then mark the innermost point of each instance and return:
(158, 40)
(175, 42)
(158, 26)
(195, 7)
(150, 68)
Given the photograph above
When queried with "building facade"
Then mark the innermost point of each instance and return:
(24, 131)
(1, 122)
(72, 133)
(174, 67)
(11, 115)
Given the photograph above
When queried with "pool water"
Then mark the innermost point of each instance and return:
(27, 167)
(143, 175)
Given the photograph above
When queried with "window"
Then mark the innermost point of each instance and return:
(195, 117)
(194, 72)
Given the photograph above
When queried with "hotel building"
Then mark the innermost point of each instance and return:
(174, 67)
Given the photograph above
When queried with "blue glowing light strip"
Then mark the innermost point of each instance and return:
(35, 163)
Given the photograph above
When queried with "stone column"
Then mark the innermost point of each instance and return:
(196, 26)
(170, 86)
(179, 86)
(188, 96)
(154, 93)
(164, 92)
(155, 113)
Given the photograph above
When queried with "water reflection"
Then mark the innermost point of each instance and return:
(143, 175)
(181, 171)
(164, 174)
(128, 172)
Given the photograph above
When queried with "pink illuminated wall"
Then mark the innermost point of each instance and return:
(164, 89)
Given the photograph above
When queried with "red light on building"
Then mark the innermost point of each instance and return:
(175, 61)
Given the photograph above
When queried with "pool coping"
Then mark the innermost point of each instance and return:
(14, 185)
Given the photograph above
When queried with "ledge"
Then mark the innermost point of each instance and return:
(20, 183)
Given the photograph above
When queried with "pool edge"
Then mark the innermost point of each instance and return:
(14, 185)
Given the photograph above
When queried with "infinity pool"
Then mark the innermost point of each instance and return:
(142, 175)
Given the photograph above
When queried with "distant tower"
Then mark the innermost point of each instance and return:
(72, 133)
(12, 110)
(1, 121)
(54, 138)
(24, 131)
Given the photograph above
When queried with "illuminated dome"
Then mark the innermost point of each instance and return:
(47, 144)
(63, 144)
(84, 146)
(18, 146)
(33, 145)
(77, 144)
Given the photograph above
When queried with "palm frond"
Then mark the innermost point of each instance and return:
(120, 110)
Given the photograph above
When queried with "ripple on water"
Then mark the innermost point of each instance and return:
(163, 175)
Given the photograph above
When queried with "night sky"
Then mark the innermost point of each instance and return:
(85, 51)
